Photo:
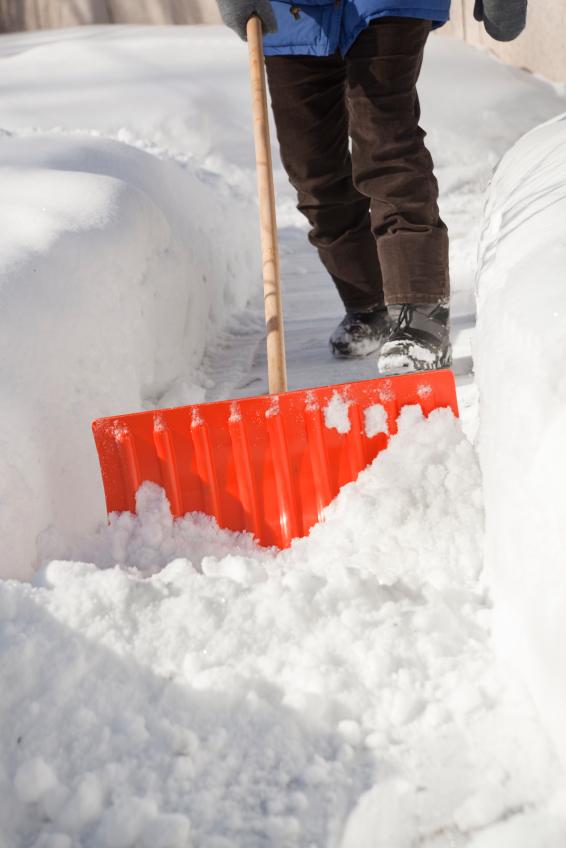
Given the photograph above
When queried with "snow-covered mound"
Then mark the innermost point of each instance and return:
(520, 363)
(243, 697)
(111, 283)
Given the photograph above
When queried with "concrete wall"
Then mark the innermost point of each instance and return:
(38, 14)
(541, 48)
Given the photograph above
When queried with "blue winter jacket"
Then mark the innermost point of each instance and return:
(320, 27)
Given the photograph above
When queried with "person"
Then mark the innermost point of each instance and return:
(342, 77)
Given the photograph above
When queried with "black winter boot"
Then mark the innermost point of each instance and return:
(360, 332)
(419, 338)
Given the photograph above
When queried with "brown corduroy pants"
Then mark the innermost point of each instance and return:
(373, 212)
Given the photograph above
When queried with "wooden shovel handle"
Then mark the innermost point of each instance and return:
(277, 372)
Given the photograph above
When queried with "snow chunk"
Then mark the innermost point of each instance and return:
(382, 818)
(542, 829)
(336, 415)
(33, 779)
(166, 831)
(82, 806)
(375, 420)
(487, 806)
(245, 571)
(53, 840)
(122, 824)
(351, 731)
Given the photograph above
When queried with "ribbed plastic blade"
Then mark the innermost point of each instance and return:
(269, 464)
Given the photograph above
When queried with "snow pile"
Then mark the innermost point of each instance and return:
(112, 284)
(129, 238)
(206, 692)
(520, 356)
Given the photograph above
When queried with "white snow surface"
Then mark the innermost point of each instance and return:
(167, 684)
(270, 698)
(521, 351)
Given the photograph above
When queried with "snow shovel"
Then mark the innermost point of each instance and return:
(267, 465)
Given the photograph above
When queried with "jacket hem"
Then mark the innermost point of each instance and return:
(438, 17)
(295, 50)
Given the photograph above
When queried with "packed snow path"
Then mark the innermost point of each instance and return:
(204, 693)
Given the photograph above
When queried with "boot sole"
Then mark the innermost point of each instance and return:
(401, 363)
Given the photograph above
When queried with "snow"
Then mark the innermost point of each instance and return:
(78, 215)
(336, 415)
(375, 420)
(521, 350)
(33, 780)
(259, 695)
(169, 684)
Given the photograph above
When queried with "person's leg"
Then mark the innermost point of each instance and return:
(311, 119)
(393, 168)
(391, 164)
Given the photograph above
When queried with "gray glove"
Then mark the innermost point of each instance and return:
(236, 14)
(504, 20)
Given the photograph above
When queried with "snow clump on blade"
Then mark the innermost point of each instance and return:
(336, 415)
(375, 420)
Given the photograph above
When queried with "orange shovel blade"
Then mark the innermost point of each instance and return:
(267, 465)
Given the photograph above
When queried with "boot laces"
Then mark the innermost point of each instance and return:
(405, 316)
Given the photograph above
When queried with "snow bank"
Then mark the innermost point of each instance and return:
(116, 267)
(240, 696)
(520, 358)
